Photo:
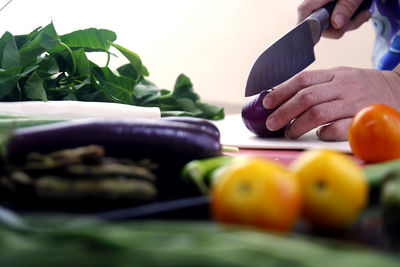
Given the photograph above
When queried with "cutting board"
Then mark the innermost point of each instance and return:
(234, 133)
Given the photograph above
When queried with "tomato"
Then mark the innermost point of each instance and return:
(334, 186)
(258, 193)
(374, 133)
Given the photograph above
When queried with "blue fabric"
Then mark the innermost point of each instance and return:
(386, 20)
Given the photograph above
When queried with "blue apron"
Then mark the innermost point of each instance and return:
(386, 20)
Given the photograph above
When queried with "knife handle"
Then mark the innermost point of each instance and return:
(365, 5)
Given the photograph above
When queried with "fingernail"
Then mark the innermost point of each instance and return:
(271, 124)
(318, 132)
(338, 21)
(267, 103)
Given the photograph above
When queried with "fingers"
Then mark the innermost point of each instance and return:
(343, 12)
(307, 101)
(288, 89)
(341, 20)
(307, 7)
(353, 24)
(335, 131)
(296, 96)
(320, 114)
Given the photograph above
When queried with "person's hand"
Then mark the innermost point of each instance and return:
(329, 98)
(341, 21)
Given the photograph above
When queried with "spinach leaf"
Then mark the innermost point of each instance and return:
(184, 88)
(37, 43)
(134, 59)
(10, 56)
(90, 39)
(118, 87)
(43, 65)
(81, 61)
(8, 80)
(34, 89)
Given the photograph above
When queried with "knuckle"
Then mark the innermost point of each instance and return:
(317, 114)
(303, 7)
(307, 97)
(348, 7)
(334, 131)
(303, 79)
(339, 69)
(283, 114)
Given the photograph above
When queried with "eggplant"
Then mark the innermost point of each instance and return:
(203, 123)
(155, 139)
(254, 116)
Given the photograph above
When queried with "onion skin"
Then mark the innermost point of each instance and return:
(254, 116)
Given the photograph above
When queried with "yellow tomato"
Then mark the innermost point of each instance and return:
(334, 187)
(258, 193)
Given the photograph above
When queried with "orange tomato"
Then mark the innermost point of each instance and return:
(374, 134)
(258, 193)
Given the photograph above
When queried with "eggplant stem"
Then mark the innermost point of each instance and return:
(230, 149)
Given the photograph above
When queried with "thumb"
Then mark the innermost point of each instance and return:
(343, 12)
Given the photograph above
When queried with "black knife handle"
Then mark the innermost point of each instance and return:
(365, 5)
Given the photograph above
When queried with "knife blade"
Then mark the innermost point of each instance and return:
(293, 52)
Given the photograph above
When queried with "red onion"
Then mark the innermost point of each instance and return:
(254, 116)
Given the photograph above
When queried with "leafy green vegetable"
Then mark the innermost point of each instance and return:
(43, 65)
(169, 243)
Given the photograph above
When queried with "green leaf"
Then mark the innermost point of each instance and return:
(24, 38)
(50, 30)
(8, 80)
(49, 64)
(96, 94)
(187, 104)
(211, 112)
(184, 88)
(90, 39)
(145, 88)
(45, 39)
(118, 87)
(29, 69)
(48, 42)
(30, 51)
(173, 113)
(9, 56)
(34, 89)
(70, 96)
(134, 59)
(128, 70)
(3, 41)
(81, 61)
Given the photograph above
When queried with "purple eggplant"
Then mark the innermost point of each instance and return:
(254, 116)
(203, 123)
(155, 139)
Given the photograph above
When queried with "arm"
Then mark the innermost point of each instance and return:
(341, 20)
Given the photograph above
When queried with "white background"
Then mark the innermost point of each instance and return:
(214, 42)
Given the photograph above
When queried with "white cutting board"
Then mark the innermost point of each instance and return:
(234, 133)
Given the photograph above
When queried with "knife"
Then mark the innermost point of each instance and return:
(293, 52)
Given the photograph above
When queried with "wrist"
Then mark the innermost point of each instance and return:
(392, 80)
(397, 70)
